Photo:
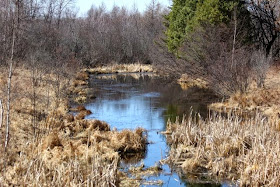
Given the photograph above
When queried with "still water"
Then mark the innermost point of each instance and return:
(128, 101)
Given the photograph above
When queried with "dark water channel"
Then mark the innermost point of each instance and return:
(129, 101)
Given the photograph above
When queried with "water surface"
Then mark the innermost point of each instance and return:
(140, 100)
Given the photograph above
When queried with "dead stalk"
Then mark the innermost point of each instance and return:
(1, 113)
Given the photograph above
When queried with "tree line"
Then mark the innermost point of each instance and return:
(211, 39)
(52, 31)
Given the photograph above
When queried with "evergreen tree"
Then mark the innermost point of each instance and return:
(186, 15)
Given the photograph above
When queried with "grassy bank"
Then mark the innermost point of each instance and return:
(79, 88)
(121, 68)
(50, 146)
(238, 144)
(265, 99)
(187, 82)
(232, 148)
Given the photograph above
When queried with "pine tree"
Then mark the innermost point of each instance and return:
(186, 15)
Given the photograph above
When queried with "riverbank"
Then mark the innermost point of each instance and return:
(80, 90)
(265, 100)
(122, 68)
(187, 82)
(241, 151)
(238, 144)
(47, 142)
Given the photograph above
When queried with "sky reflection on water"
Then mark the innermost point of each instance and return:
(127, 103)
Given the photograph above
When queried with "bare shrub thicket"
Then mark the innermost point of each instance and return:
(165, 61)
(260, 63)
(213, 54)
(102, 36)
(229, 66)
(265, 19)
(228, 56)
(119, 35)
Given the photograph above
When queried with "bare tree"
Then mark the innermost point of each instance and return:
(265, 18)
(8, 102)
(15, 21)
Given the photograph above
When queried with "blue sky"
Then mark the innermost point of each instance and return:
(84, 5)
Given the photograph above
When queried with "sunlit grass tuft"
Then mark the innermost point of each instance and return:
(122, 68)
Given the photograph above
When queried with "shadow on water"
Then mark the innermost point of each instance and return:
(141, 100)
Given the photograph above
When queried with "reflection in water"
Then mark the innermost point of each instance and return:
(171, 113)
(126, 102)
(133, 158)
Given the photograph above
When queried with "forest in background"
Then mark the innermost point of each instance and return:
(226, 43)
(52, 33)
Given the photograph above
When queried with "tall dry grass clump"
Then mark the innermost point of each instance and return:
(31, 170)
(244, 151)
(264, 100)
(79, 88)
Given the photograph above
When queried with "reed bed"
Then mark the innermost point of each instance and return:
(33, 171)
(245, 151)
(76, 153)
(59, 149)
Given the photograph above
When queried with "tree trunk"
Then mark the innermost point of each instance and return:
(1, 114)
(9, 88)
(8, 104)
(270, 44)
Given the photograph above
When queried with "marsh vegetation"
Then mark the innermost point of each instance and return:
(226, 148)
(224, 55)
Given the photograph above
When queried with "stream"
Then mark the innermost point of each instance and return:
(128, 101)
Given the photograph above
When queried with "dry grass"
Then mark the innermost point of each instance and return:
(244, 151)
(122, 68)
(265, 100)
(80, 99)
(84, 76)
(81, 108)
(187, 82)
(139, 176)
(115, 76)
(141, 171)
(82, 114)
(37, 170)
(80, 88)
(81, 152)
(128, 141)
(65, 150)
(79, 83)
